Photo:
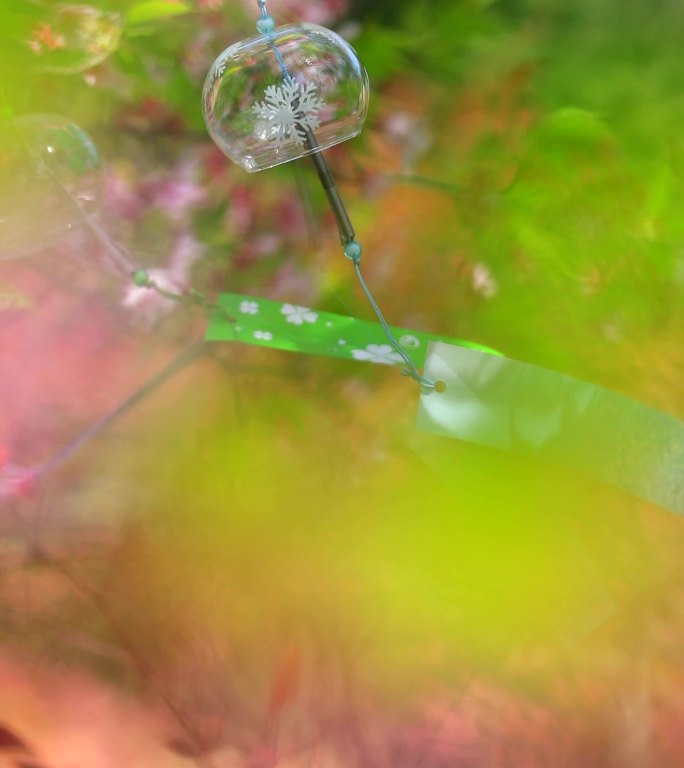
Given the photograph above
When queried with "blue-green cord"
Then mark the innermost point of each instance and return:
(273, 46)
(411, 369)
(281, 62)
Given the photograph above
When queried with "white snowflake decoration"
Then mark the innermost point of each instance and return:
(290, 109)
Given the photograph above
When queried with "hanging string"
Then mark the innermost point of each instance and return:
(183, 359)
(352, 248)
(13, 478)
(427, 385)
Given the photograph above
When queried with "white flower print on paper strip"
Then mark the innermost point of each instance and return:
(410, 342)
(377, 353)
(263, 335)
(298, 315)
(249, 307)
(290, 109)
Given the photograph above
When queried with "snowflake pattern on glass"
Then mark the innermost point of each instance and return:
(291, 110)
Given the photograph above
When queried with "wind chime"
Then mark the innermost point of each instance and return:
(290, 93)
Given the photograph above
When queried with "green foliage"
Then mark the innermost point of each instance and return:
(156, 10)
(432, 40)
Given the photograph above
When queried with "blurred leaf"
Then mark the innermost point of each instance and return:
(182, 746)
(440, 47)
(9, 740)
(154, 10)
(381, 50)
(285, 681)
(29, 764)
(660, 187)
(575, 127)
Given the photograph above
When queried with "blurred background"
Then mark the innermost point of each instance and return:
(255, 566)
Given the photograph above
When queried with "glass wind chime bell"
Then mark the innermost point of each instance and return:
(50, 173)
(291, 92)
(285, 94)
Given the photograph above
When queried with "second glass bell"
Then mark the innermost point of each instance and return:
(283, 95)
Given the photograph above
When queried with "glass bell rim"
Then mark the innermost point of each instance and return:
(304, 153)
(237, 48)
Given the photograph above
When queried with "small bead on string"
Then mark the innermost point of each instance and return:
(266, 24)
(141, 279)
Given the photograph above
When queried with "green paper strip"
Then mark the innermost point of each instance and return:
(492, 400)
(294, 328)
(532, 411)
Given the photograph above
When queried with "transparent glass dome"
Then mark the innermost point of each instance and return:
(86, 37)
(50, 178)
(284, 95)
